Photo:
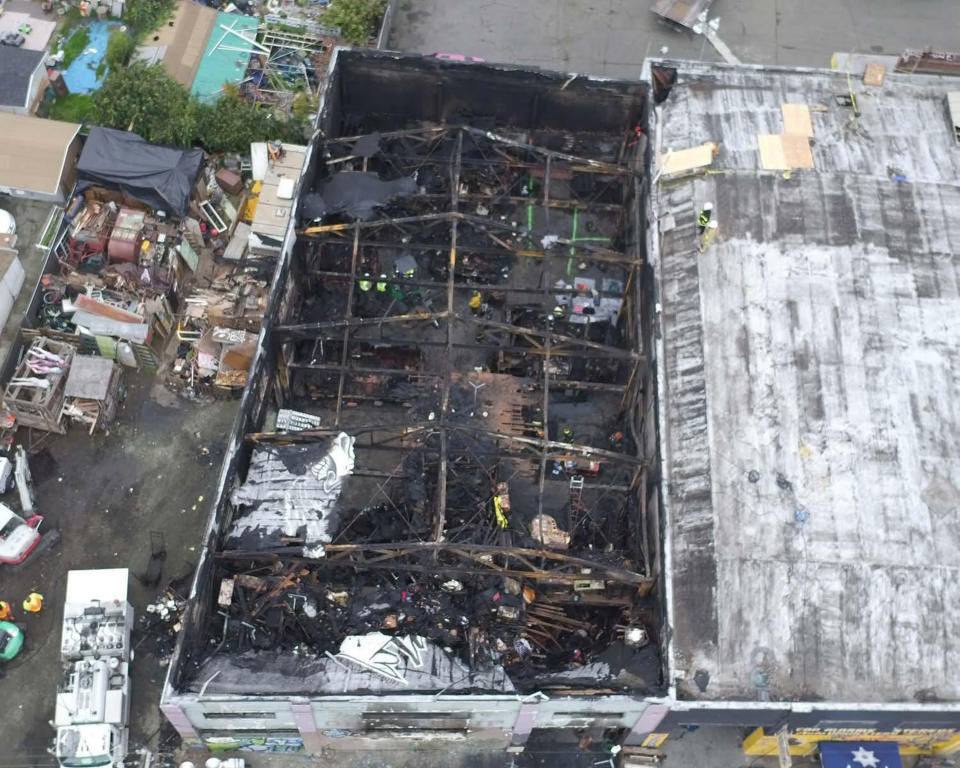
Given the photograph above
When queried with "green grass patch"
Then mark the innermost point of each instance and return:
(75, 46)
(102, 68)
(70, 21)
(73, 108)
(51, 231)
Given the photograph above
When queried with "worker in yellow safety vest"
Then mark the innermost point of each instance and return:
(33, 603)
(704, 218)
(366, 284)
(498, 512)
(382, 284)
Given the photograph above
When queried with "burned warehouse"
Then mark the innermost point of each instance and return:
(439, 510)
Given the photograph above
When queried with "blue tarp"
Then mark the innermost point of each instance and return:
(860, 754)
(81, 75)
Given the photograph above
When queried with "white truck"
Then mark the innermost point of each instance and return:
(93, 702)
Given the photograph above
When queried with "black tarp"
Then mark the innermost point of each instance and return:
(160, 177)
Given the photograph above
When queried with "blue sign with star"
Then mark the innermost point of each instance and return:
(860, 754)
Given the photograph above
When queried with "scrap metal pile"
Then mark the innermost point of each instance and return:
(461, 351)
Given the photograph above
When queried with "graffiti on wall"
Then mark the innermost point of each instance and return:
(282, 744)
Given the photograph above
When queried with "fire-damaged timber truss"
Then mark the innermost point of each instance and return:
(462, 376)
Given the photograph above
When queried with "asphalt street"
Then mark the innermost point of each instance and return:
(613, 37)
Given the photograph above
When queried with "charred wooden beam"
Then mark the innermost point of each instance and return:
(488, 287)
(292, 329)
(343, 554)
(441, 508)
(557, 339)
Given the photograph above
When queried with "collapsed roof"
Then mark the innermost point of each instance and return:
(159, 177)
(443, 475)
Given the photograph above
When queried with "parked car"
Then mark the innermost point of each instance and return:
(456, 57)
(13, 38)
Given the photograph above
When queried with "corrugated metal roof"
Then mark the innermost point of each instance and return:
(226, 56)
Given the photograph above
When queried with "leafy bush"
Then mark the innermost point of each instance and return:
(75, 46)
(146, 15)
(230, 123)
(73, 108)
(119, 48)
(359, 20)
(145, 99)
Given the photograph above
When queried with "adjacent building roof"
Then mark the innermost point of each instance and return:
(179, 45)
(808, 391)
(17, 66)
(272, 216)
(33, 151)
(226, 56)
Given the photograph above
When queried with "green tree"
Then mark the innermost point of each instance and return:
(303, 107)
(359, 20)
(230, 123)
(145, 99)
(119, 48)
(144, 16)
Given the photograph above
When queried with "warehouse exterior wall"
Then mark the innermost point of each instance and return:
(372, 722)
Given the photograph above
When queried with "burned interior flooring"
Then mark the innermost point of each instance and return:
(453, 496)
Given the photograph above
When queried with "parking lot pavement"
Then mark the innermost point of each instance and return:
(612, 37)
(105, 494)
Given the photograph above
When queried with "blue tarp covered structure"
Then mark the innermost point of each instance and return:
(860, 754)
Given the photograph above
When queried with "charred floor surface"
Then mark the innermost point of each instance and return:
(447, 451)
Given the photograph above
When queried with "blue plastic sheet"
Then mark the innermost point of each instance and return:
(81, 75)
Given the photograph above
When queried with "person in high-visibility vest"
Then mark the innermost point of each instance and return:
(33, 603)
(475, 301)
(704, 218)
(6, 612)
(382, 284)
(366, 284)
(567, 435)
(559, 311)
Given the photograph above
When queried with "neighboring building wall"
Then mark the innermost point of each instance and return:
(15, 109)
(68, 177)
(30, 194)
(38, 83)
(371, 722)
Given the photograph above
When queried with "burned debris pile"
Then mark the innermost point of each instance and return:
(455, 478)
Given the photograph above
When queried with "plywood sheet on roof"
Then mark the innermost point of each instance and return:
(796, 150)
(687, 159)
(874, 74)
(771, 152)
(784, 151)
(796, 119)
